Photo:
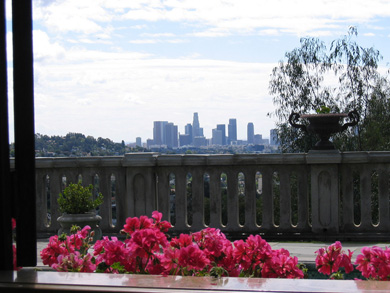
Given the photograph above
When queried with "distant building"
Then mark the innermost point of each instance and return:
(188, 131)
(216, 137)
(199, 141)
(232, 130)
(273, 140)
(138, 142)
(185, 139)
(171, 135)
(195, 126)
(250, 133)
(149, 143)
(257, 139)
(159, 132)
(222, 128)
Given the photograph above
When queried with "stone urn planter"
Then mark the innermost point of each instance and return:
(324, 125)
(66, 222)
(78, 206)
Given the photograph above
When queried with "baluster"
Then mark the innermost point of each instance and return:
(197, 200)
(181, 200)
(232, 197)
(120, 198)
(267, 222)
(303, 202)
(41, 200)
(215, 199)
(365, 187)
(348, 203)
(250, 200)
(384, 217)
(285, 200)
(105, 190)
(163, 193)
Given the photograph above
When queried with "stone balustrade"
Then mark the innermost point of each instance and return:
(318, 195)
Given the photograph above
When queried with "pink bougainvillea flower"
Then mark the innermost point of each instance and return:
(210, 240)
(170, 260)
(241, 255)
(282, 265)
(374, 263)
(192, 258)
(163, 226)
(74, 262)
(77, 240)
(184, 240)
(54, 249)
(330, 259)
(110, 251)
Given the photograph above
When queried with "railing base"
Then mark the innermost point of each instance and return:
(31, 280)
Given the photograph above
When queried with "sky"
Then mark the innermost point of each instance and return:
(109, 68)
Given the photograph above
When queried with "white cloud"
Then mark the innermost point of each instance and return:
(211, 17)
(44, 49)
(158, 35)
(155, 41)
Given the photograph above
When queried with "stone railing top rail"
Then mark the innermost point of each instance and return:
(157, 159)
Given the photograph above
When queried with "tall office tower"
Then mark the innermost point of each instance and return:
(222, 128)
(188, 131)
(273, 137)
(232, 130)
(171, 135)
(138, 142)
(200, 132)
(195, 126)
(159, 132)
(217, 137)
(250, 132)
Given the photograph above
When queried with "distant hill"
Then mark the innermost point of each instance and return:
(77, 145)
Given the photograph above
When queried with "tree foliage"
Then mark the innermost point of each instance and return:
(77, 144)
(344, 77)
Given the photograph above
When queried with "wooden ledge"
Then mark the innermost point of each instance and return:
(31, 280)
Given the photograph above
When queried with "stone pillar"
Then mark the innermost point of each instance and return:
(324, 170)
(140, 184)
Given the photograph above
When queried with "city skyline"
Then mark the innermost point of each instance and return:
(167, 133)
(111, 68)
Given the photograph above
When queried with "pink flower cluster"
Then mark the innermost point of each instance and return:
(330, 259)
(146, 249)
(257, 259)
(374, 263)
(69, 254)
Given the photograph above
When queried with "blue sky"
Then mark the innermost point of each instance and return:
(110, 68)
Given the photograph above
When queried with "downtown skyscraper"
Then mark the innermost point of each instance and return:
(232, 130)
(250, 133)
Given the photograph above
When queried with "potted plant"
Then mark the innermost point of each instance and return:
(78, 208)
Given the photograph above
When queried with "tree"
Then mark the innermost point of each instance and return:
(343, 78)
